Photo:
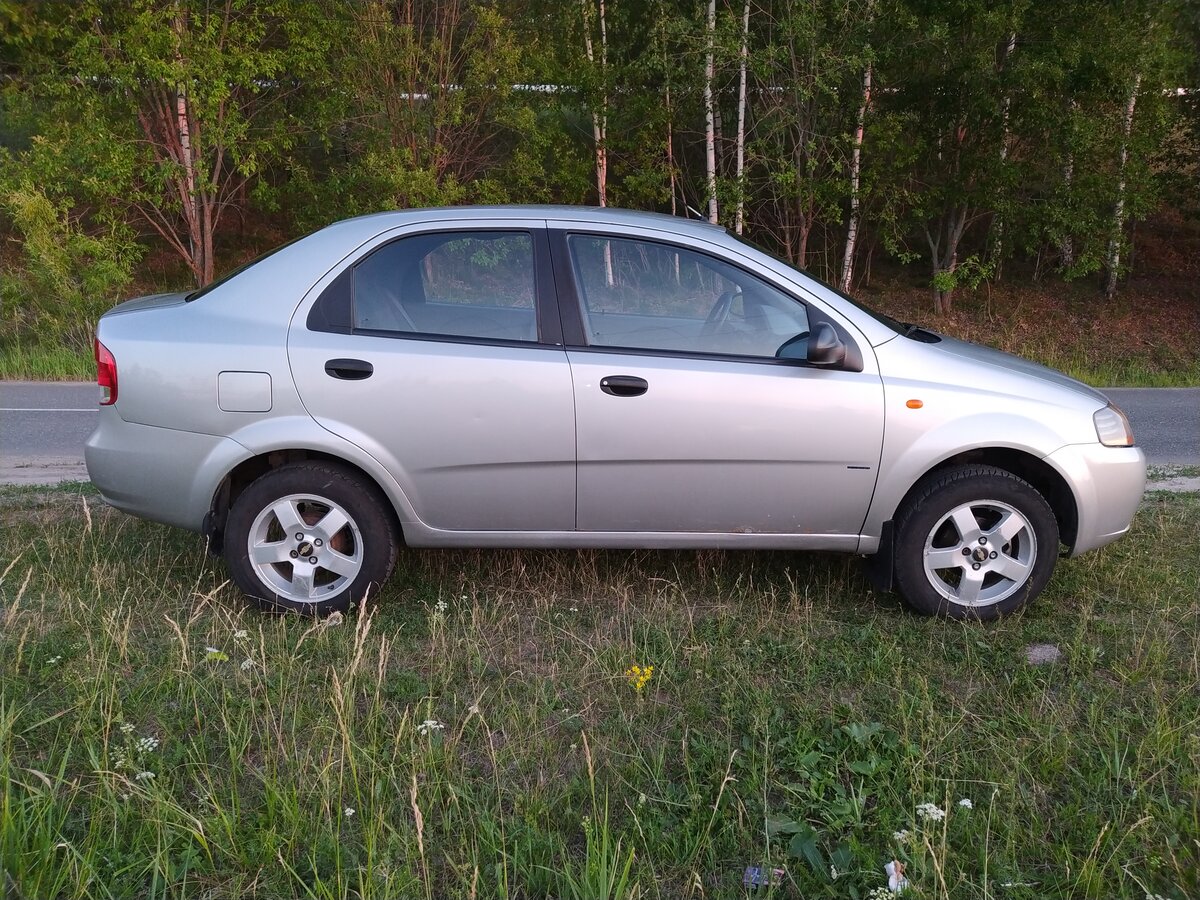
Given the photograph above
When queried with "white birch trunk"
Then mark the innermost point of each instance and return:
(998, 229)
(1114, 245)
(855, 169)
(599, 115)
(671, 154)
(1067, 248)
(710, 150)
(741, 121)
(600, 121)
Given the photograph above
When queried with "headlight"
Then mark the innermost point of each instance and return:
(1112, 428)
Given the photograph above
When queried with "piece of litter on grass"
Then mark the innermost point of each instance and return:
(757, 876)
(895, 873)
(1042, 654)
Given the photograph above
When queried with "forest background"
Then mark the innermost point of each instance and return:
(1024, 174)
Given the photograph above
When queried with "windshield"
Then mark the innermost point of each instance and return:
(897, 326)
(228, 276)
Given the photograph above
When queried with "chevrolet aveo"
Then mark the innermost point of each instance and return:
(564, 377)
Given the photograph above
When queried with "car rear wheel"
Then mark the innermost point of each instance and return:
(311, 538)
(974, 542)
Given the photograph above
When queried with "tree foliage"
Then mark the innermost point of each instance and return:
(991, 133)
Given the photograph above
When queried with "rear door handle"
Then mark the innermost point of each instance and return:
(624, 385)
(349, 369)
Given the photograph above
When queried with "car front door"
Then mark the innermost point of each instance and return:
(688, 420)
(438, 353)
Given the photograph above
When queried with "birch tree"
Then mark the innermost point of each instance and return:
(600, 114)
(187, 104)
(743, 58)
(710, 140)
(997, 248)
(1118, 224)
(847, 276)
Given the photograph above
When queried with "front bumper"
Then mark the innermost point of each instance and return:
(160, 474)
(1108, 483)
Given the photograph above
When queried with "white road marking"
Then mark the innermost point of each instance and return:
(43, 409)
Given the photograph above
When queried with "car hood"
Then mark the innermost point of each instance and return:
(1010, 363)
(153, 301)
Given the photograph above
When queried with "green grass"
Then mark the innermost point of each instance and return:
(793, 720)
(38, 362)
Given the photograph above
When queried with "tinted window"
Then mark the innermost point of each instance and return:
(474, 285)
(646, 295)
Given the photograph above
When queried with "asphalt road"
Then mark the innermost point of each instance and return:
(42, 430)
(1166, 422)
(43, 427)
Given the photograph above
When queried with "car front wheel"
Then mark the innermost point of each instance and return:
(974, 542)
(310, 537)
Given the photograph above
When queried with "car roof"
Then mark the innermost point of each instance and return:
(599, 214)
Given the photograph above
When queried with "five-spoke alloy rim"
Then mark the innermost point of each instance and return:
(305, 548)
(980, 553)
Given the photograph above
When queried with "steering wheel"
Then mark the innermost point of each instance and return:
(719, 313)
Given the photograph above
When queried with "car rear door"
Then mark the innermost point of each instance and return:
(439, 353)
(686, 419)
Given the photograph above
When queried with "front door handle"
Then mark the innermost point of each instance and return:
(624, 385)
(349, 369)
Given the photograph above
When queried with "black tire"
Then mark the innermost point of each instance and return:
(995, 569)
(351, 559)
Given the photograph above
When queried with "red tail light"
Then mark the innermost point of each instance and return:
(106, 374)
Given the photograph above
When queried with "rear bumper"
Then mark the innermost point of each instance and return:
(160, 474)
(1108, 483)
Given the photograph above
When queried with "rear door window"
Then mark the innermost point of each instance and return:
(478, 285)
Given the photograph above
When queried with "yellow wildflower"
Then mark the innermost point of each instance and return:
(639, 676)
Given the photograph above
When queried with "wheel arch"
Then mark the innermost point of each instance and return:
(1043, 477)
(249, 470)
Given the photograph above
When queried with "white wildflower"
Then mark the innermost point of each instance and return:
(429, 726)
(966, 803)
(54, 660)
(127, 727)
(349, 812)
(247, 664)
(473, 709)
(441, 606)
(901, 836)
(241, 634)
(147, 744)
(931, 812)
(834, 874)
(879, 893)
(574, 609)
(144, 776)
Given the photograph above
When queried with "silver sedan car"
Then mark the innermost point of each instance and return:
(567, 377)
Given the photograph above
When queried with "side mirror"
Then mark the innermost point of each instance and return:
(825, 348)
